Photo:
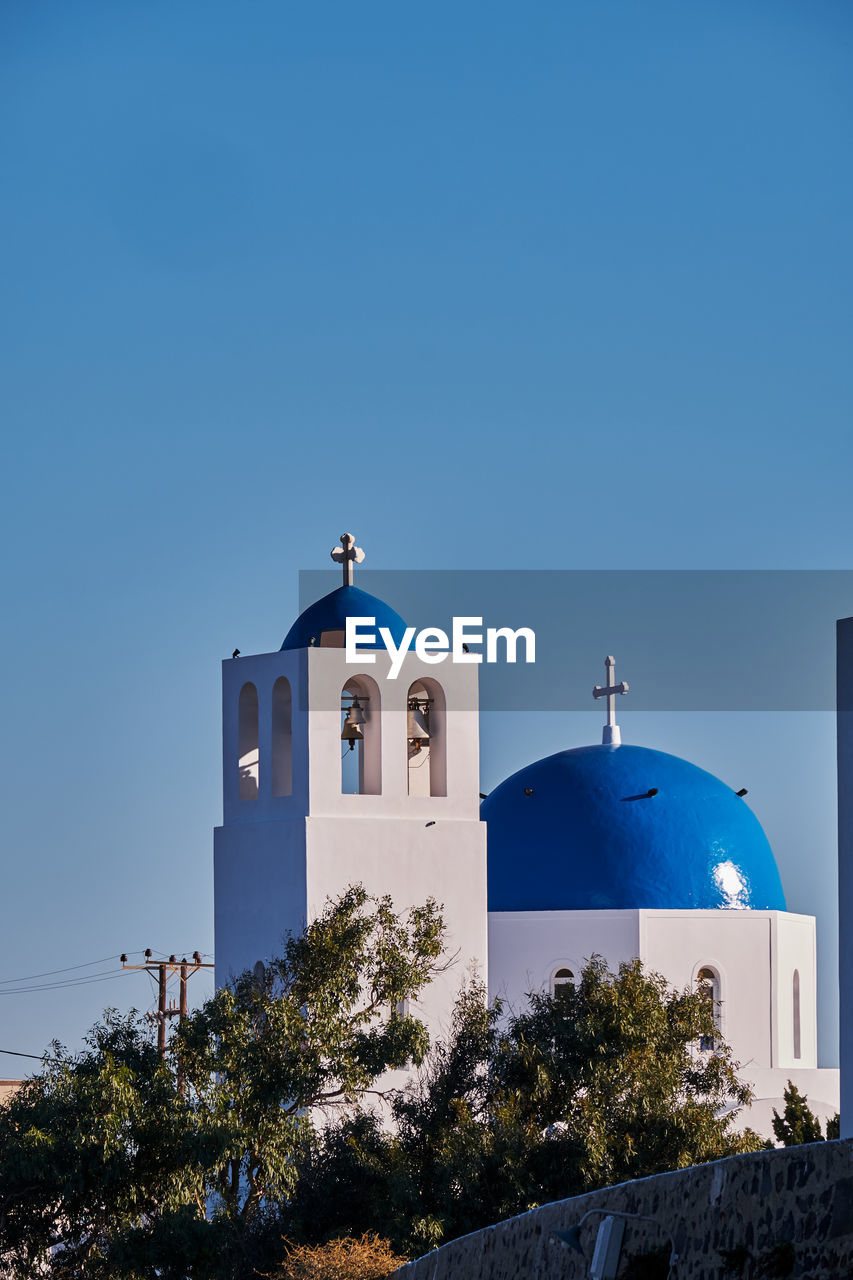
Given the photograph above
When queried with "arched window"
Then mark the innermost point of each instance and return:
(708, 986)
(361, 737)
(798, 1044)
(247, 742)
(562, 979)
(281, 762)
(426, 739)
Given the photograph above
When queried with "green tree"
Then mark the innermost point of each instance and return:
(798, 1123)
(429, 1180)
(317, 1030)
(601, 1083)
(106, 1155)
(611, 1072)
(89, 1146)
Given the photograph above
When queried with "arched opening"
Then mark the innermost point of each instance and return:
(361, 737)
(561, 981)
(708, 987)
(426, 739)
(281, 762)
(247, 742)
(798, 1043)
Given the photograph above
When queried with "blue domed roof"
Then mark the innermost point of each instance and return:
(331, 613)
(579, 831)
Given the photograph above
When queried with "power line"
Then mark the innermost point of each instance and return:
(10, 987)
(70, 982)
(7, 987)
(88, 964)
(16, 1053)
(62, 986)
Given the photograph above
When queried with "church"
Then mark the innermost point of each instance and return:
(333, 773)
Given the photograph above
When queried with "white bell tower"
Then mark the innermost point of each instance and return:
(335, 773)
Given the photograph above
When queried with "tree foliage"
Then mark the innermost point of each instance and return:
(597, 1084)
(117, 1163)
(798, 1123)
(316, 1030)
(89, 1146)
(107, 1156)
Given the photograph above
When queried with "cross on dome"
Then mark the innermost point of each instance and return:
(610, 734)
(347, 554)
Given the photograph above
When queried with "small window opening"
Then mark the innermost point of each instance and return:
(562, 980)
(708, 986)
(247, 742)
(798, 1046)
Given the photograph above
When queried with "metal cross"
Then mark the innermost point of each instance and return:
(609, 690)
(346, 555)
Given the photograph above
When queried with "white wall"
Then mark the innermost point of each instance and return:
(262, 670)
(412, 862)
(795, 948)
(278, 859)
(754, 953)
(526, 947)
(259, 891)
(737, 944)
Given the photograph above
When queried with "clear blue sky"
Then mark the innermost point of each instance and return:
(553, 285)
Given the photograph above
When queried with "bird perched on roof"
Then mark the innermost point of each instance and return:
(236, 653)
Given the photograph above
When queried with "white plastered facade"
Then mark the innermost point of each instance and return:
(279, 858)
(764, 964)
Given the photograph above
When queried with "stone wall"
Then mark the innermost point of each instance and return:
(773, 1213)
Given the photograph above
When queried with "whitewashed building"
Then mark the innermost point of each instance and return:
(334, 774)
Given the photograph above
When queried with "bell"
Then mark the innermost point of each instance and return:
(417, 725)
(351, 732)
(356, 712)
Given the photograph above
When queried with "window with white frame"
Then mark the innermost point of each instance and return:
(563, 979)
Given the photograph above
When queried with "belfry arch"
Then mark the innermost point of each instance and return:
(247, 742)
(426, 738)
(361, 753)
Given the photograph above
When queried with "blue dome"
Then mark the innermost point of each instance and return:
(331, 613)
(578, 831)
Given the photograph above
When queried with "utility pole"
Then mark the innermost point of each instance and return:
(162, 968)
(182, 1013)
(162, 1012)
